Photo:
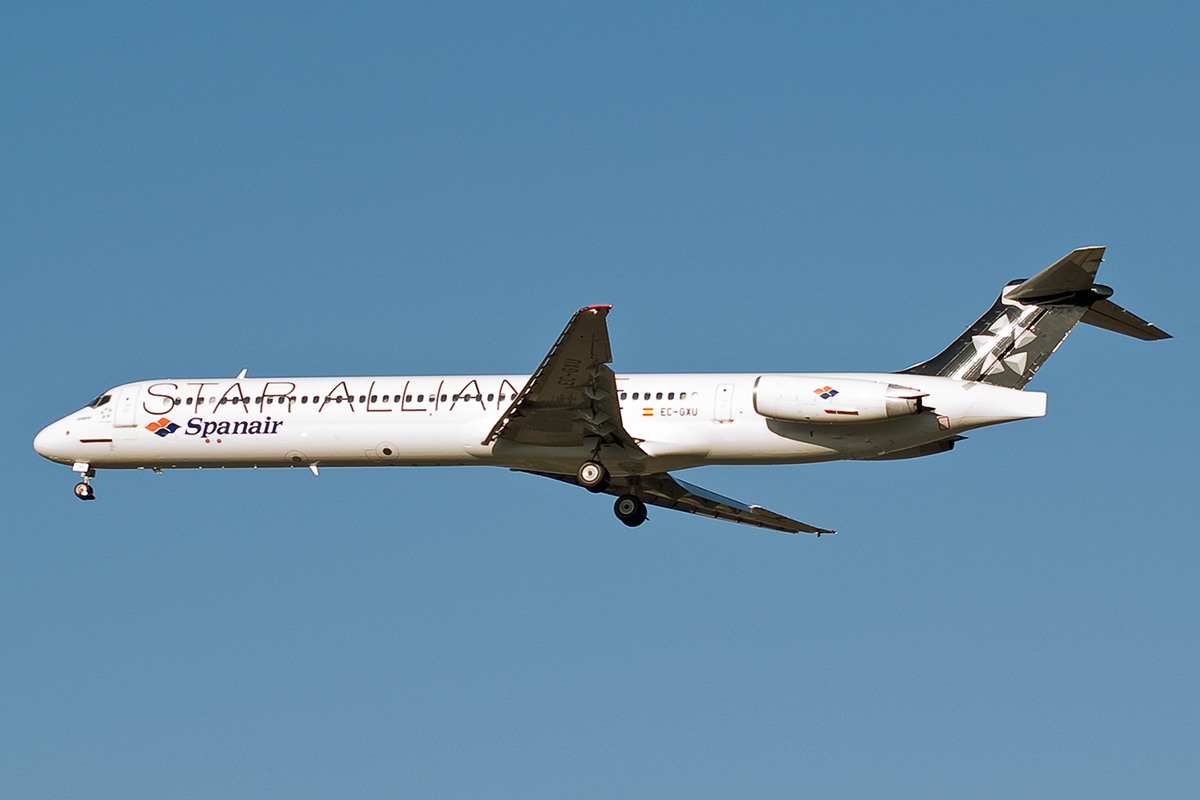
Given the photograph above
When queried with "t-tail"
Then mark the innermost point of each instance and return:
(1030, 319)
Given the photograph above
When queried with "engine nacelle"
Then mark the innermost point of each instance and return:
(833, 400)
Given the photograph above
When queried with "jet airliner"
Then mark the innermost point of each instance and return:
(577, 421)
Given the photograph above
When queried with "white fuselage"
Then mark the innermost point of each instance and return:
(680, 421)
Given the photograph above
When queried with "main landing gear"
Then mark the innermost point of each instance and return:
(83, 489)
(593, 476)
(630, 510)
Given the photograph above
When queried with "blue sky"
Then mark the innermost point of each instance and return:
(304, 189)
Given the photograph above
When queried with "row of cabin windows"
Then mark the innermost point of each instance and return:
(103, 399)
(657, 395)
(362, 398)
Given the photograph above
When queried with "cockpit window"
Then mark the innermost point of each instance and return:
(99, 401)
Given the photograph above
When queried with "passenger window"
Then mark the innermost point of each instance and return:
(176, 401)
(683, 395)
(362, 398)
(373, 398)
(304, 399)
(658, 396)
(188, 401)
(338, 399)
(491, 397)
(670, 395)
(199, 400)
(443, 398)
(408, 398)
(623, 395)
(635, 395)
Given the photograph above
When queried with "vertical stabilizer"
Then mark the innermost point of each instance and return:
(1030, 319)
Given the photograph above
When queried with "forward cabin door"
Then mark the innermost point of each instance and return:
(126, 414)
(723, 406)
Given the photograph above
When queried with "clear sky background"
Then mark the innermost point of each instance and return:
(379, 188)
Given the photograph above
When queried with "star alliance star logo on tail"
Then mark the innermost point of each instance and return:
(162, 427)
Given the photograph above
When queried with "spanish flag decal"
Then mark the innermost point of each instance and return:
(647, 412)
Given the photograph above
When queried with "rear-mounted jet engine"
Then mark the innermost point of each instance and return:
(839, 400)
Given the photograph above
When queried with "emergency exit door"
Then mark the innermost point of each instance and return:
(723, 406)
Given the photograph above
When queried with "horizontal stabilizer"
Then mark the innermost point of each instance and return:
(1074, 272)
(1110, 316)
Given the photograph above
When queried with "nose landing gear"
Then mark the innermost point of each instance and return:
(83, 489)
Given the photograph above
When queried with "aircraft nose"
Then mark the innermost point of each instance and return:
(51, 442)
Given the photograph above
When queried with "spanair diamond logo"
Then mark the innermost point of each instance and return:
(162, 427)
(825, 392)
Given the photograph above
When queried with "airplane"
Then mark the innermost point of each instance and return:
(577, 421)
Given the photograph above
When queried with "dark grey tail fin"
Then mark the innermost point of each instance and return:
(1029, 321)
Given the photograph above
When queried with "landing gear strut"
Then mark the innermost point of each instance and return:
(630, 510)
(83, 489)
(593, 476)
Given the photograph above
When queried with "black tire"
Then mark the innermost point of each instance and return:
(630, 510)
(592, 476)
(84, 491)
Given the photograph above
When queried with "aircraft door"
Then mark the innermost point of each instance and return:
(723, 406)
(126, 414)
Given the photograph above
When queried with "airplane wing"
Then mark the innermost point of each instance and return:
(573, 394)
(662, 489)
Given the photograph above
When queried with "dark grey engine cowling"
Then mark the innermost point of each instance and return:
(833, 400)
